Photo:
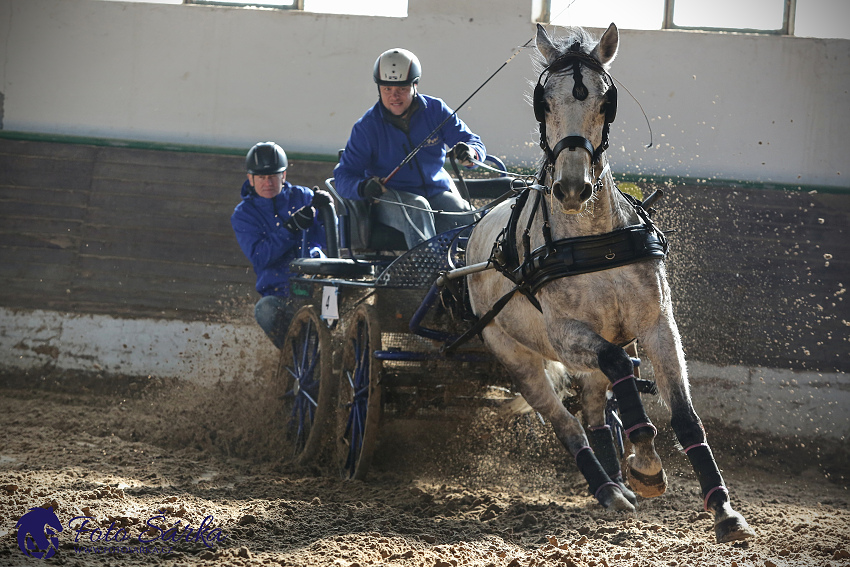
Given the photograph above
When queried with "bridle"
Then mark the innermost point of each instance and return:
(573, 60)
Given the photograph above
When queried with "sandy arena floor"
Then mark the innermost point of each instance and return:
(479, 491)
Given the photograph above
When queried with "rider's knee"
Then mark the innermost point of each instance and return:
(266, 310)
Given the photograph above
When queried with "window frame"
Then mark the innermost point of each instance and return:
(543, 8)
(789, 12)
(296, 4)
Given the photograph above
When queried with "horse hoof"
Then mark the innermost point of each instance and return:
(612, 498)
(647, 486)
(732, 527)
(630, 496)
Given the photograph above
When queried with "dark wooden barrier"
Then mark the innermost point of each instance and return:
(758, 275)
(127, 232)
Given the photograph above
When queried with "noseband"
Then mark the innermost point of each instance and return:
(574, 60)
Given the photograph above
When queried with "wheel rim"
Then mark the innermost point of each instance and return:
(304, 385)
(358, 382)
(360, 397)
(305, 373)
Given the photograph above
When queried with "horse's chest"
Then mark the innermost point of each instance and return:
(605, 301)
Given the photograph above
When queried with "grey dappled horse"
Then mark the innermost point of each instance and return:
(555, 324)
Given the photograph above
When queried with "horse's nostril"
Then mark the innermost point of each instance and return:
(557, 192)
(588, 191)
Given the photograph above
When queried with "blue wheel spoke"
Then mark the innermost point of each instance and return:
(358, 379)
(310, 399)
(306, 341)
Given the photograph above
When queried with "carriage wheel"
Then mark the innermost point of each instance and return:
(359, 408)
(305, 376)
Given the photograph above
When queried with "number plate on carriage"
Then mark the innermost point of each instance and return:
(330, 310)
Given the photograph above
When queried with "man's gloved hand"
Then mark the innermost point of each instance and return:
(302, 219)
(464, 154)
(371, 188)
(321, 198)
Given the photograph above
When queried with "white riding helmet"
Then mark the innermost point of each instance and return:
(397, 67)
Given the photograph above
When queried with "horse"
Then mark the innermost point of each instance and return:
(580, 274)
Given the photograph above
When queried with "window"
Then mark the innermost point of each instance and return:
(390, 8)
(753, 15)
(807, 18)
(627, 14)
(822, 18)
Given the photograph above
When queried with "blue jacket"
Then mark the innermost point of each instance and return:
(376, 147)
(258, 224)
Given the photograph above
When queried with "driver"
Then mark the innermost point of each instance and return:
(381, 139)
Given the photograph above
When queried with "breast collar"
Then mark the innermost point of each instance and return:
(565, 257)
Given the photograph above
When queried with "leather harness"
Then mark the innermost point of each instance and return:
(564, 257)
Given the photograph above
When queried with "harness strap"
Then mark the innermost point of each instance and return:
(572, 256)
(575, 142)
(481, 323)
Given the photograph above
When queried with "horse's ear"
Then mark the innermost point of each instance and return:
(544, 45)
(606, 49)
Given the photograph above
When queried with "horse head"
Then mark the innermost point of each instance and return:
(575, 101)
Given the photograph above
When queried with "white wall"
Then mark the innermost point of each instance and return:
(777, 401)
(727, 106)
(203, 353)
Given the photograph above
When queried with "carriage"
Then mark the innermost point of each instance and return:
(385, 329)
(558, 279)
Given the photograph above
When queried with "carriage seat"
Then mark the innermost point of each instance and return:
(360, 231)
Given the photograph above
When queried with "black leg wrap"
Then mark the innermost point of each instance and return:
(602, 441)
(635, 421)
(614, 362)
(592, 470)
(688, 430)
(708, 474)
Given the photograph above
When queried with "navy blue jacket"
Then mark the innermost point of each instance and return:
(258, 224)
(376, 147)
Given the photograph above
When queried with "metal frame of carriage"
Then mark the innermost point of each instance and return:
(372, 333)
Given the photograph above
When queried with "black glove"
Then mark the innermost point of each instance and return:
(370, 188)
(464, 154)
(302, 219)
(321, 198)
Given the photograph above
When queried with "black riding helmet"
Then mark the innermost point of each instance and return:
(266, 158)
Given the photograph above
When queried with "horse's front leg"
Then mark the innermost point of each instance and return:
(527, 369)
(664, 349)
(581, 348)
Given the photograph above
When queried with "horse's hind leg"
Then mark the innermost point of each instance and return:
(593, 403)
(527, 369)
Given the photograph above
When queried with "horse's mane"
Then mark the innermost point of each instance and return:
(577, 39)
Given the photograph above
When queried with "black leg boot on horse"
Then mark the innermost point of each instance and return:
(645, 472)
(602, 442)
(729, 525)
